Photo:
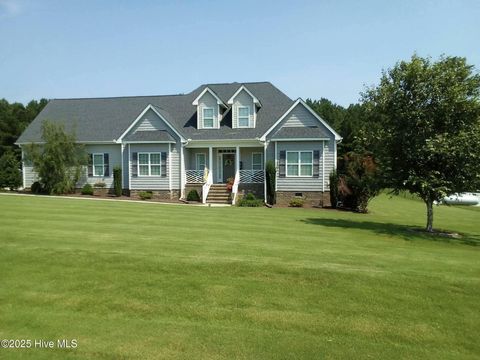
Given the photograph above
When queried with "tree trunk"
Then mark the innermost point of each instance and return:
(429, 227)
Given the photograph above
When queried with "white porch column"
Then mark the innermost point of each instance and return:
(129, 167)
(210, 160)
(264, 172)
(169, 164)
(182, 172)
(237, 159)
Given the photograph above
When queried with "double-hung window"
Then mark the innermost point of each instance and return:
(207, 117)
(299, 163)
(149, 164)
(98, 164)
(257, 161)
(201, 162)
(243, 116)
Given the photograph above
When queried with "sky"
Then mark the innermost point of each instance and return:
(308, 49)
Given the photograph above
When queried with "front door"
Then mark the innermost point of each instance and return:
(228, 165)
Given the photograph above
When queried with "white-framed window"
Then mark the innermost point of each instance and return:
(299, 163)
(257, 161)
(201, 161)
(149, 164)
(208, 117)
(243, 116)
(98, 164)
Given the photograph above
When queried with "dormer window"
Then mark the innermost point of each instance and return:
(209, 109)
(243, 116)
(208, 115)
(244, 108)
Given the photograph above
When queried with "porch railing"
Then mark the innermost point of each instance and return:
(195, 176)
(206, 186)
(235, 187)
(252, 176)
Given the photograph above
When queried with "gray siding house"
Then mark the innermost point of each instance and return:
(175, 143)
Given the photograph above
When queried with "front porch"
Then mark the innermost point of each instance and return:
(208, 167)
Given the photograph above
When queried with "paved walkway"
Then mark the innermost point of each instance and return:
(113, 199)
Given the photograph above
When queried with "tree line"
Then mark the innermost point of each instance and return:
(14, 118)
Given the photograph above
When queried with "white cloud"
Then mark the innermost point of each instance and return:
(10, 8)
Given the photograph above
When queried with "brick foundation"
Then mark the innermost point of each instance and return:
(310, 198)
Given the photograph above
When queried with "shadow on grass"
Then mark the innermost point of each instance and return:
(406, 232)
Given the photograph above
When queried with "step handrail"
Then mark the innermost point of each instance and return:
(206, 186)
(235, 187)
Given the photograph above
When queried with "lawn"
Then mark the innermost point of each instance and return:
(149, 281)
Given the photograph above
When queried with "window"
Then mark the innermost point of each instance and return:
(98, 165)
(243, 116)
(299, 163)
(201, 162)
(257, 161)
(149, 164)
(207, 117)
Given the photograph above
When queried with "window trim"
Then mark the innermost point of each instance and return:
(93, 165)
(243, 117)
(196, 160)
(213, 117)
(149, 164)
(299, 164)
(261, 160)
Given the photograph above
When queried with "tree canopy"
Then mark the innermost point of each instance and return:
(14, 118)
(425, 127)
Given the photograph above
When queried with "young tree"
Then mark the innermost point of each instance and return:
(10, 173)
(428, 128)
(58, 162)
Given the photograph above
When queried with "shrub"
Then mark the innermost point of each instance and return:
(250, 200)
(100, 185)
(360, 181)
(36, 188)
(10, 174)
(334, 178)
(270, 173)
(117, 180)
(193, 196)
(296, 202)
(145, 195)
(87, 189)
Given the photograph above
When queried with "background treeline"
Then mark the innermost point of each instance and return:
(14, 118)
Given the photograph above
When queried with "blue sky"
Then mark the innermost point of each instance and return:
(332, 49)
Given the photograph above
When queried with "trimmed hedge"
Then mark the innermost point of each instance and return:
(296, 203)
(117, 180)
(193, 196)
(87, 189)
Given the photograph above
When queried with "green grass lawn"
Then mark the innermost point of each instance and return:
(147, 281)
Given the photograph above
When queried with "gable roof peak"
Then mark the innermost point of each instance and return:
(207, 89)
(244, 88)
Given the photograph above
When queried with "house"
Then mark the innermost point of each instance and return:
(171, 144)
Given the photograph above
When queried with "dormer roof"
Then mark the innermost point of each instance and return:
(207, 89)
(244, 88)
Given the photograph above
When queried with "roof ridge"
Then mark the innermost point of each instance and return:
(237, 82)
(118, 97)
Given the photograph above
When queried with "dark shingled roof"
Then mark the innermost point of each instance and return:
(159, 135)
(106, 119)
(300, 133)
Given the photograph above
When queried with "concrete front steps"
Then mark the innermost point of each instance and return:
(218, 194)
